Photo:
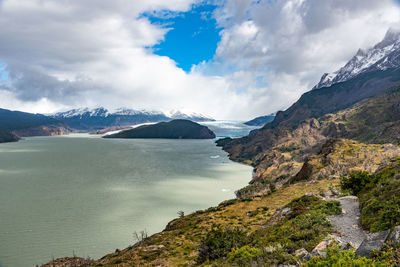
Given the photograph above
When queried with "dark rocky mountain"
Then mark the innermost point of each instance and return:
(313, 104)
(6, 136)
(305, 126)
(14, 124)
(99, 118)
(385, 55)
(260, 121)
(16, 120)
(175, 129)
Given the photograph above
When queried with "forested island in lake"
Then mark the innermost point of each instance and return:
(175, 129)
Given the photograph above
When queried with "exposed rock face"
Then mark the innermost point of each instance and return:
(394, 237)
(320, 248)
(176, 129)
(42, 131)
(281, 155)
(371, 243)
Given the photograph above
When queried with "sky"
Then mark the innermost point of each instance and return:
(228, 59)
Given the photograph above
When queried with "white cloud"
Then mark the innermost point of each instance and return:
(291, 43)
(89, 53)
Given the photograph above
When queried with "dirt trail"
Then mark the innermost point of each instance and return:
(348, 224)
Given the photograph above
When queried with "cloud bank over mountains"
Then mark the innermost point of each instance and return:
(63, 54)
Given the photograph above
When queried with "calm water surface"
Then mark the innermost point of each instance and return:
(87, 195)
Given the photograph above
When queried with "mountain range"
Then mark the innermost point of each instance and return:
(85, 119)
(16, 124)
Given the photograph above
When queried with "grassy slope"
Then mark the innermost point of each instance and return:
(182, 240)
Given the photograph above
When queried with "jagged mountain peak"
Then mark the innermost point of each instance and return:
(392, 37)
(384, 55)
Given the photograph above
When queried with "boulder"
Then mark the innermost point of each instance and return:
(302, 254)
(394, 237)
(320, 248)
(372, 242)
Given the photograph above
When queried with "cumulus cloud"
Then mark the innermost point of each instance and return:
(94, 53)
(62, 54)
(291, 43)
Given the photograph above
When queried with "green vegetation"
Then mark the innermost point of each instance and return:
(336, 257)
(219, 242)
(243, 256)
(303, 225)
(379, 196)
(176, 129)
(358, 181)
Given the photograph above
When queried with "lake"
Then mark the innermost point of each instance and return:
(84, 195)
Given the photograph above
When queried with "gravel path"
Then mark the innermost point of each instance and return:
(347, 224)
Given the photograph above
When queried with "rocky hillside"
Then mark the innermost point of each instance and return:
(6, 136)
(175, 129)
(374, 120)
(15, 124)
(260, 121)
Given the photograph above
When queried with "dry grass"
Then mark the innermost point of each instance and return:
(178, 247)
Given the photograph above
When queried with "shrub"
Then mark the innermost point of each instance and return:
(304, 227)
(243, 255)
(219, 242)
(357, 181)
(336, 257)
(379, 196)
(380, 206)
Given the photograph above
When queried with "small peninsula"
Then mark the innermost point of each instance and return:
(175, 129)
(6, 136)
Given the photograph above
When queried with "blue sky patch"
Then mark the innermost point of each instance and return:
(193, 37)
(4, 76)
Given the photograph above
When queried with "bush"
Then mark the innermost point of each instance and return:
(358, 181)
(304, 227)
(336, 257)
(379, 196)
(380, 206)
(244, 255)
(219, 242)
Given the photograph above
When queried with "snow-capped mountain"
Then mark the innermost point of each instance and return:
(384, 55)
(86, 119)
(82, 112)
(102, 112)
(175, 114)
